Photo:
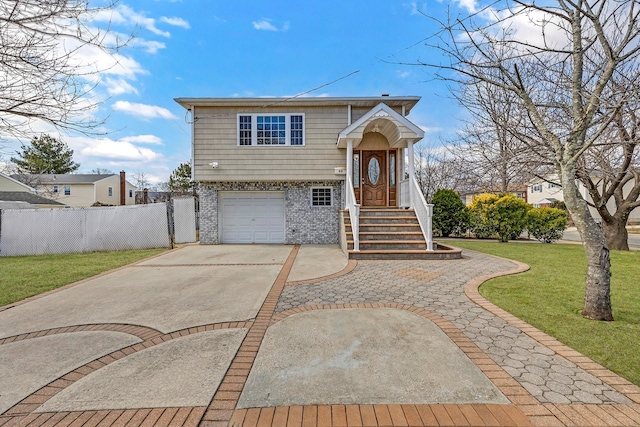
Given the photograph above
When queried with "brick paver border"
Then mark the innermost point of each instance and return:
(351, 265)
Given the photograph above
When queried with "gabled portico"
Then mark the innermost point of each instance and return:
(375, 158)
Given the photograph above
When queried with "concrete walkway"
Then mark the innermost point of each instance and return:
(282, 335)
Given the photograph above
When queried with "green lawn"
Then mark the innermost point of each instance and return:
(550, 297)
(25, 276)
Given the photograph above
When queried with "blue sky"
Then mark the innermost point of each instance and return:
(231, 48)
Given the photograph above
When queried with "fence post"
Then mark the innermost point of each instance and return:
(169, 204)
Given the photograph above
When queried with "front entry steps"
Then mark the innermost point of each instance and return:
(392, 233)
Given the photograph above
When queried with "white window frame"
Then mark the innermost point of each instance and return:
(330, 197)
(537, 188)
(67, 190)
(553, 185)
(56, 189)
(109, 191)
(130, 193)
(254, 129)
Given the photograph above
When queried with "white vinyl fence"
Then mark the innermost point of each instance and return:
(184, 219)
(68, 230)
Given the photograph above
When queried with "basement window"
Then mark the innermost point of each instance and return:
(321, 196)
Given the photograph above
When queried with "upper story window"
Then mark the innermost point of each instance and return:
(130, 193)
(553, 185)
(56, 189)
(271, 129)
(67, 190)
(536, 188)
(110, 191)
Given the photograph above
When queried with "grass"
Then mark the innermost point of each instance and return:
(550, 297)
(25, 276)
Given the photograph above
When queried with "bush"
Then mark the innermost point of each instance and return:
(449, 213)
(546, 224)
(508, 215)
(502, 216)
(479, 223)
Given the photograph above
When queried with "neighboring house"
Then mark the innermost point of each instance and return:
(16, 195)
(545, 192)
(520, 192)
(81, 190)
(273, 170)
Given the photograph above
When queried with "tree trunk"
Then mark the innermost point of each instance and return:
(616, 234)
(597, 300)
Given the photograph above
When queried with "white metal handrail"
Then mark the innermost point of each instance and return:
(354, 214)
(423, 211)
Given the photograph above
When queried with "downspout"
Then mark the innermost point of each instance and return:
(193, 138)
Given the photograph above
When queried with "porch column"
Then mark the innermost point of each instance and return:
(411, 169)
(349, 167)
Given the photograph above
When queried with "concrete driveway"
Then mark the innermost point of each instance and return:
(278, 335)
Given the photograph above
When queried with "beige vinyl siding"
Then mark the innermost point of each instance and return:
(216, 140)
(130, 200)
(356, 113)
(373, 141)
(81, 194)
(102, 188)
(7, 184)
(102, 191)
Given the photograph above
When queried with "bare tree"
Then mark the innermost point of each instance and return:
(101, 171)
(495, 155)
(141, 180)
(610, 171)
(43, 78)
(563, 79)
(436, 169)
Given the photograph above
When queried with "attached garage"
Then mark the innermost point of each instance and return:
(251, 216)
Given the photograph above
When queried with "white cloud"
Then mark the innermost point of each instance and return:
(176, 22)
(470, 5)
(123, 14)
(416, 9)
(265, 25)
(118, 150)
(403, 74)
(150, 46)
(89, 150)
(143, 110)
(428, 129)
(119, 87)
(143, 139)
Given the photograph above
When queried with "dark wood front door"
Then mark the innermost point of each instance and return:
(374, 178)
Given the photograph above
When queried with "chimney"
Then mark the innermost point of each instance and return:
(123, 189)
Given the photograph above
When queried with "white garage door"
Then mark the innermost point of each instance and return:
(252, 217)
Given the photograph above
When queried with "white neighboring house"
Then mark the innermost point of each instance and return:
(544, 193)
(83, 190)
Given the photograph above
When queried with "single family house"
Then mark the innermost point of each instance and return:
(17, 195)
(282, 170)
(82, 190)
(545, 192)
